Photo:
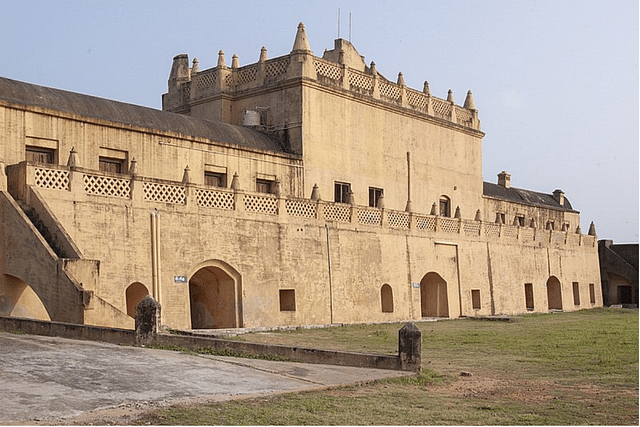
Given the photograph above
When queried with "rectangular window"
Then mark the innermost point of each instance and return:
(445, 207)
(264, 185)
(520, 220)
(475, 298)
(576, 293)
(215, 179)
(287, 300)
(528, 296)
(40, 155)
(592, 293)
(342, 192)
(111, 165)
(374, 195)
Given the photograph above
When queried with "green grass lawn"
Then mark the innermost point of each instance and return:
(574, 368)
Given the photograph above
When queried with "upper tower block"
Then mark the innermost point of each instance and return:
(213, 93)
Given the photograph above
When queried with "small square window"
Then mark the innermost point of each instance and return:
(215, 179)
(519, 220)
(40, 155)
(342, 192)
(287, 300)
(111, 165)
(264, 185)
(374, 195)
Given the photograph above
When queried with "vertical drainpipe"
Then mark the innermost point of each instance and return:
(326, 226)
(155, 259)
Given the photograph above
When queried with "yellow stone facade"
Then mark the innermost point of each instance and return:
(299, 190)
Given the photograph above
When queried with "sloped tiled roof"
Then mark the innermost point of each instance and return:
(527, 197)
(99, 108)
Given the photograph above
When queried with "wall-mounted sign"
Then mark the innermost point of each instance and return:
(180, 279)
(416, 285)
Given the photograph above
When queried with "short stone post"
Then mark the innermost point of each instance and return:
(147, 320)
(410, 347)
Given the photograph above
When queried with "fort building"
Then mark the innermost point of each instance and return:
(297, 190)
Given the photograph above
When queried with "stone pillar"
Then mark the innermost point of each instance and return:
(409, 347)
(147, 321)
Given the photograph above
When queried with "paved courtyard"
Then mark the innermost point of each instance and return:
(48, 379)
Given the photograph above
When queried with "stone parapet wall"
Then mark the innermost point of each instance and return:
(87, 183)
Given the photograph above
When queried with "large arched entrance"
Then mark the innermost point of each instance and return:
(215, 296)
(134, 294)
(434, 301)
(554, 293)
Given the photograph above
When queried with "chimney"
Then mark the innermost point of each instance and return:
(559, 196)
(504, 179)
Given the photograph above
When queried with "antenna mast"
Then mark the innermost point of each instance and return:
(349, 27)
(338, 22)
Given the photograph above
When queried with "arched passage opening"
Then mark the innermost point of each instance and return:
(554, 293)
(134, 294)
(386, 298)
(18, 299)
(434, 301)
(215, 297)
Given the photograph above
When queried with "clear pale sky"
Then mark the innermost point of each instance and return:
(555, 82)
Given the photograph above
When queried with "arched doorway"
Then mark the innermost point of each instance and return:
(134, 294)
(18, 299)
(554, 293)
(386, 298)
(215, 296)
(434, 301)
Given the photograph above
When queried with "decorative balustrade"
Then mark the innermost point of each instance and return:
(102, 184)
(54, 179)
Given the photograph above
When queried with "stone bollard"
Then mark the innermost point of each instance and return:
(410, 347)
(147, 321)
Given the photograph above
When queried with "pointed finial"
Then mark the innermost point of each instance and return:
(515, 221)
(380, 202)
(400, 79)
(374, 71)
(315, 193)
(263, 54)
(133, 169)
(235, 62)
(592, 229)
(498, 218)
(450, 96)
(457, 214)
(235, 182)
(301, 42)
(468, 102)
(478, 216)
(548, 226)
(195, 68)
(186, 176)
(73, 161)
(532, 224)
(433, 209)
(578, 229)
(221, 62)
(425, 88)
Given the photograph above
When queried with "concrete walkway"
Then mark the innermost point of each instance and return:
(48, 379)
